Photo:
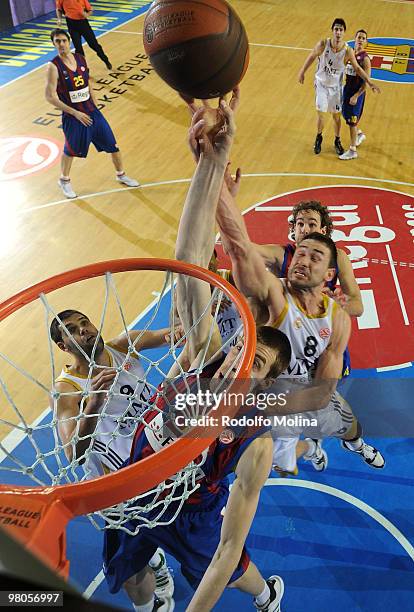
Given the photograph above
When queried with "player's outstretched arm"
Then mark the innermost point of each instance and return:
(196, 232)
(249, 270)
(316, 52)
(252, 471)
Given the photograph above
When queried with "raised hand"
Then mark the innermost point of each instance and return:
(232, 184)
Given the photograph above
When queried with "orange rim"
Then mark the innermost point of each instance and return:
(93, 495)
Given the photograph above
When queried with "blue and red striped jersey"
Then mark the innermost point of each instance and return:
(73, 86)
(217, 461)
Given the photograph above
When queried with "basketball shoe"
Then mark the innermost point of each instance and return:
(338, 146)
(317, 147)
(360, 138)
(370, 454)
(350, 154)
(164, 583)
(318, 458)
(126, 180)
(277, 588)
(66, 187)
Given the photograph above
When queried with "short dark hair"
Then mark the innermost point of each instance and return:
(58, 31)
(328, 242)
(55, 331)
(322, 210)
(279, 342)
(361, 30)
(338, 21)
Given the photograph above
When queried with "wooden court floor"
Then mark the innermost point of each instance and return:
(43, 234)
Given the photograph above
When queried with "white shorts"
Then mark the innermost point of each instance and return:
(284, 453)
(333, 421)
(328, 99)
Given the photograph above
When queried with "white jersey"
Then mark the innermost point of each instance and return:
(228, 319)
(331, 66)
(114, 433)
(309, 335)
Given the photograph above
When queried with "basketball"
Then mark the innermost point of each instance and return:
(198, 47)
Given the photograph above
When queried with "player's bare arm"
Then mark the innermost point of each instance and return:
(316, 52)
(350, 57)
(366, 64)
(52, 97)
(196, 233)
(249, 270)
(328, 372)
(330, 363)
(252, 472)
(353, 303)
(146, 339)
(69, 407)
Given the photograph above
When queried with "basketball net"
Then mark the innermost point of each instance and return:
(50, 489)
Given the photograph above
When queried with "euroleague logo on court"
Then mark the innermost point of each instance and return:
(392, 59)
(375, 227)
(23, 155)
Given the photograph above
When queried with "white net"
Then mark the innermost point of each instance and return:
(71, 441)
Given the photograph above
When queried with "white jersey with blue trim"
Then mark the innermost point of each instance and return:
(114, 434)
(309, 335)
(331, 65)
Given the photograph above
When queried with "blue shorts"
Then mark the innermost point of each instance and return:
(352, 113)
(78, 137)
(192, 539)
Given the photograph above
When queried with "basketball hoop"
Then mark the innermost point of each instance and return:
(41, 513)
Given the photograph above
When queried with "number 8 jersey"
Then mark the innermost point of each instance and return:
(309, 335)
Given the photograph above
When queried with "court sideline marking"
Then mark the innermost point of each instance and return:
(252, 175)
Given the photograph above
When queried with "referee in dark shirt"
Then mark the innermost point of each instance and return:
(76, 13)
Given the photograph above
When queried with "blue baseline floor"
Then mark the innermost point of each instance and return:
(27, 47)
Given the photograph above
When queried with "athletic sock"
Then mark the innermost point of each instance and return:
(120, 172)
(356, 444)
(264, 595)
(311, 449)
(64, 178)
(156, 561)
(148, 607)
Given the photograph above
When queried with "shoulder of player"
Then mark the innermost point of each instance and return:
(321, 44)
(67, 403)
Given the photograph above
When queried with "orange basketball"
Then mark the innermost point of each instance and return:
(198, 47)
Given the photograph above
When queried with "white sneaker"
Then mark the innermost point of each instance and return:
(370, 454)
(66, 187)
(123, 178)
(360, 138)
(277, 588)
(350, 154)
(164, 583)
(319, 459)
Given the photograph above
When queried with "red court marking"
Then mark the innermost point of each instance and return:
(372, 224)
(23, 155)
